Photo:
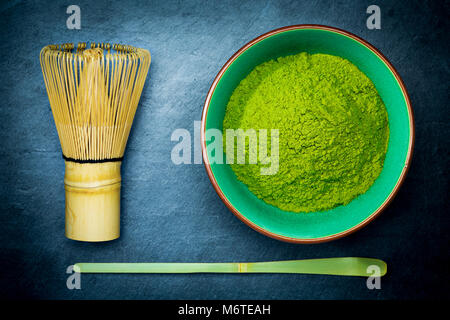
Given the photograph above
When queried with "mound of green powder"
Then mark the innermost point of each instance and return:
(333, 130)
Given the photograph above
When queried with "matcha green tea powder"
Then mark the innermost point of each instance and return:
(333, 130)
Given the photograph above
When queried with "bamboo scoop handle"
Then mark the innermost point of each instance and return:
(349, 266)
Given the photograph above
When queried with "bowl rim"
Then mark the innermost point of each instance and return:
(222, 196)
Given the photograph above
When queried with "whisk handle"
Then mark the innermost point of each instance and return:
(92, 201)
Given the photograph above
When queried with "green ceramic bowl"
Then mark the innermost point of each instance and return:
(342, 220)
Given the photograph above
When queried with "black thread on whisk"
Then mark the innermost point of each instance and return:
(92, 161)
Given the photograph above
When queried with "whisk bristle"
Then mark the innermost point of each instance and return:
(93, 95)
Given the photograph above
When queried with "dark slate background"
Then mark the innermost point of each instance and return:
(171, 213)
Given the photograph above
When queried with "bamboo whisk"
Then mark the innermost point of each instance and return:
(93, 95)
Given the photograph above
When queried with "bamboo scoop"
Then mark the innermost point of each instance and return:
(349, 266)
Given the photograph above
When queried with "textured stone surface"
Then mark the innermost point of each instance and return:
(171, 213)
